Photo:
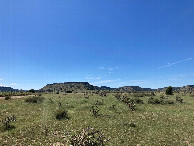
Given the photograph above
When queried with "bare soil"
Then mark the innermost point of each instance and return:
(13, 97)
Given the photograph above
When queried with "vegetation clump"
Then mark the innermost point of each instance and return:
(61, 114)
(89, 137)
(31, 91)
(103, 93)
(179, 99)
(99, 102)
(152, 100)
(132, 125)
(112, 106)
(118, 96)
(137, 100)
(169, 102)
(34, 99)
(131, 105)
(128, 125)
(169, 91)
(7, 97)
(95, 111)
(7, 123)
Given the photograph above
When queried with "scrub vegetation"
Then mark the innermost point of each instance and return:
(114, 118)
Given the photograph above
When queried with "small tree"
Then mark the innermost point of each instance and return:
(32, 90)
(169, 91)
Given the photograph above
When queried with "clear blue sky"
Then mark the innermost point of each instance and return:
(149, 43)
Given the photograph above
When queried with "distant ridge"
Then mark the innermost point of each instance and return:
(68, 87)
(184, 88)
(7, 89)
(85, 86)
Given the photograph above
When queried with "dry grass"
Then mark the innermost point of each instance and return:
(154, 124)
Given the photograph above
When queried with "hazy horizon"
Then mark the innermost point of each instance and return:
(100, 86)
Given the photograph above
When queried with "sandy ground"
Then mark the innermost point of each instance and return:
(13, 97)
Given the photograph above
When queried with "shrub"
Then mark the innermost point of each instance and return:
(95, 111)
(132, 125)
(169, 91)
(131, 105)
(69, 91)
(88, 137)
(99, 102)
(128, 125)
(169, 102)
(118, 96)
(162, 97)
(61, 114)
(112, 106)
(51, 101)
(125, 99)
(103, 93)
(7, 123)
(32, 91)
(137, 100)
(39, 94)
(34, 99)
(179, 99)
(152, 100)
(152, 94)
(7, 97)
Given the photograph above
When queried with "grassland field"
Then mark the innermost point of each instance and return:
(155, 124)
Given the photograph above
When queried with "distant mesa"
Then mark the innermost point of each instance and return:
(134, 88)
(85, 86)
(7, 89)
(70, 87)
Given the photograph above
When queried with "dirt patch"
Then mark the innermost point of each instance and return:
(13, 97)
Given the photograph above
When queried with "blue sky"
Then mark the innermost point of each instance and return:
(149, 43)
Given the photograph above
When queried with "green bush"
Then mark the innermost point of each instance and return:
(95, 111)
(132, 125)
(7, 97)
(125, 99)
(179, 99)
(61, 114)
(169, 91)
(6, 123)
(39, 94)
(152, 100)
(137, 100)
(129, 125)
(34, 99)
(89, 137)
(99, 102)
(169, 102)
(32, 91)
(6, 126)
